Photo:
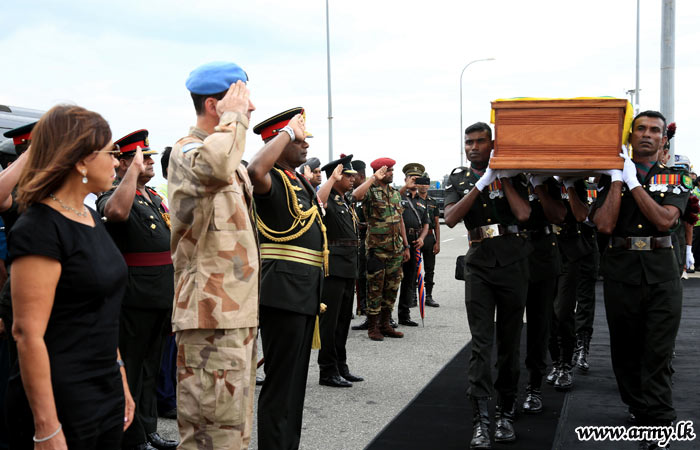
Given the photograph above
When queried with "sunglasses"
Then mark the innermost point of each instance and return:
(113, 152)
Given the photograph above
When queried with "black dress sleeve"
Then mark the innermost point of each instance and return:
(35, 233)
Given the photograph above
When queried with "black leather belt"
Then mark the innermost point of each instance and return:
(568, 229)
(541, 232)
(641, 243)
(344, 243)
(478, 234)
(413, 230)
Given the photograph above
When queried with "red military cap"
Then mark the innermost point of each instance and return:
(379, 162)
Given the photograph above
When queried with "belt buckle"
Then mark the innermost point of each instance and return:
(556, 229)
(490, 231)
(640, 243)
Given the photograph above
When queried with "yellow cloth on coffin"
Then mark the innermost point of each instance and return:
(626, 127)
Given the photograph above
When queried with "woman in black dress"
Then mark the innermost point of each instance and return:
(68, 279)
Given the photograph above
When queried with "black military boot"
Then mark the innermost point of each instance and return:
(363, 326)
(429, 297)
(565, 378)
(552, 377)
(505, 416)
(480, 421)
(583, 343)
(533, 400)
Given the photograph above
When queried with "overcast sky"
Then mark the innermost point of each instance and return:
(395, 66)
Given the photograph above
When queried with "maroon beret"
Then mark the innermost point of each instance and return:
(379, 162)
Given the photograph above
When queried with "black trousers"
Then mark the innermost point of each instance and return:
(142, 333)
(585, 293)
(563, 334)
(361, 282)
(489, 290)
(408, 284)
(334, 324)
(167, 377)
(538, 310)
(643, 320)
(286, 341)
(429, 262)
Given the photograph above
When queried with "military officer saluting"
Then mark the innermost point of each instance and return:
(415, 219)
(640, 207)
(492, 205)
(339, 286)
(139, 224)
(293, 251)
(387, 246)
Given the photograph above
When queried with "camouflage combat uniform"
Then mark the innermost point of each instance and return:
(217, 266)
(382, 209)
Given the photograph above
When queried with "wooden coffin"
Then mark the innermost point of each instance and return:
(568, 135)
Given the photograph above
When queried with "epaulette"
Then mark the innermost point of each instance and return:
(455, 171)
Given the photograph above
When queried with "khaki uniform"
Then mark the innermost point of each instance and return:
(217, 265)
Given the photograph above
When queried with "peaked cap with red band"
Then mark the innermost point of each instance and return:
(271, 127)
(379, 162)
(20, 135)
(127, 144)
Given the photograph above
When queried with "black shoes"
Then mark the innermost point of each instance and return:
(259, 380)
(583, 343)
(393, 323)
(565, 378)
(552, 377)
(334, 381)
(505, 416)
(533, 400)
(408, 322)
(480, 434)
(430, 302)
(345, 373)
(162, 444)
(144, 446)
(363, 326)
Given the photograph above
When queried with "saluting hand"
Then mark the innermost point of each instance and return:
(237, 99)
(381, 173)
(298, 124)
(337, 174)
(137, 162)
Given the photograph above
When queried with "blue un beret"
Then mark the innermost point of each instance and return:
(214, 77)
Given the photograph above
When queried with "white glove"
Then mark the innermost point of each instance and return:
(614, 174)
(689, 258)
(629, 171)
(507, 173)
(567, 182)
(487, 178)
(537, 180)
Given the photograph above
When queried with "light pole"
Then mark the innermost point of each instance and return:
(461, 127)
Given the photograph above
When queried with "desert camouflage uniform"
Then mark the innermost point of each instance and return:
(216, 261)
(382, 209)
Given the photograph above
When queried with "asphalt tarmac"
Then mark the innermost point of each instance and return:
(395, 370)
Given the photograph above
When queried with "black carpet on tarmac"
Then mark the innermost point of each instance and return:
(439, 417)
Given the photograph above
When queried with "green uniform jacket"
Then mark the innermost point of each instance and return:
(341, 225)
(148, 287)
(657, 265)
(382, 210)
(545, 260)
(489, 209)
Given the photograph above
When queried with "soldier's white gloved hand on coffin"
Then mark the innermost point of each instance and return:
(507, 173)
(629, 171)
(537, 180)
(487, 178)
(689, 258)
(614, 174)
